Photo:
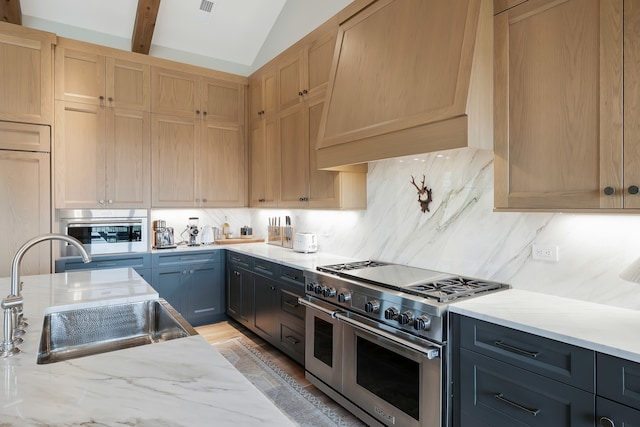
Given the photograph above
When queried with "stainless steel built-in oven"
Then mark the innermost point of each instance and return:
(107, 231)
(376, 339)
(388, 378)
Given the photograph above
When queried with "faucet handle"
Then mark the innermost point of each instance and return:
(11, 301)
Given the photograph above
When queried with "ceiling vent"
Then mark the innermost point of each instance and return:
(206, 6)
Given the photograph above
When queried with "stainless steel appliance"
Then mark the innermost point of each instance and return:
(376, 339)
(163, 235)
(105, 231)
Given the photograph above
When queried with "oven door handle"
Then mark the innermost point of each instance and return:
(307, 303)
(431, 351)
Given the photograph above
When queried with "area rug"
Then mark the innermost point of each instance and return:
(302, 407)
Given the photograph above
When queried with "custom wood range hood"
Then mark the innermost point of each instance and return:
(408, 77)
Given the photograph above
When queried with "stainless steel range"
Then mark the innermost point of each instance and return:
(376, 339)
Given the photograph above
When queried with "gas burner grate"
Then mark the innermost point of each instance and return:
(336, 268)
(450, 289)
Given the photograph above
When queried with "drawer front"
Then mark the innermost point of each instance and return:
(181, 258)
(497, 394)
(137, 261)
(292, 342)
(266, 268)
(289, 303)
(619, 415)
(619, 380)
(553, 359)
(240, 260)
(292, 276)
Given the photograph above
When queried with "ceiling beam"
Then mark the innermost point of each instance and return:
(10, 11)
(144, 25)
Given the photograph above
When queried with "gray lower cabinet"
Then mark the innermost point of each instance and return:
(618, 389)
(503, 377)
(239, 286)
(141, 263)
(192, 283)
(263, 296)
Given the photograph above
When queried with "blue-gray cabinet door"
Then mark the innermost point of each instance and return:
(203, 289)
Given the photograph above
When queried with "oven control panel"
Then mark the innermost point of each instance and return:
(406, 312)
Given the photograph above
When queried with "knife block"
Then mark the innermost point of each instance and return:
(280, 236)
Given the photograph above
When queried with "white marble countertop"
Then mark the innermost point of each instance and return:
(268, 252)
(182, 382)
(604, 328)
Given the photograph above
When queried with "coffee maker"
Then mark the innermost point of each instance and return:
(193, 231)
(163, 235)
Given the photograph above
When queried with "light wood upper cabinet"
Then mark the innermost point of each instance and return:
(82, 75)
(265, 163)
(302, 185)
(222, 166)
(26, 82)
(263, 89)
(303, 72)
(101, 157)
(25, 183)
(174, 142)
(197, 163)
(190, 95)
(631, 153)
(558, 105)
(409, 77)
(294, 163)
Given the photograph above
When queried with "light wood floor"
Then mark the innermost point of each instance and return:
(226, 330)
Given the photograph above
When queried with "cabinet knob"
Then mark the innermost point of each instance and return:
(609, 191)
(110, 99)
(204, 200)
(304, 92)
(101, 202)
(633, 189)
(204, 113)
(197, 111)
(607, 422)
(101, 97)
(300, 93)
(110, 201)
(262, 200)
(273, 288)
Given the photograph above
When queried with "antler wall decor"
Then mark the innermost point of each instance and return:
(422, 192)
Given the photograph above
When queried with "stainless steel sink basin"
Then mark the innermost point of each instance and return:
(88, 331)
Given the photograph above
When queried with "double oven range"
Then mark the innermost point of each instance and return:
(376, 339)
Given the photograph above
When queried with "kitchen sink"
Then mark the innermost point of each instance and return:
(88, 331)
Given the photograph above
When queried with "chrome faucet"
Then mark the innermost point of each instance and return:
(12, 304)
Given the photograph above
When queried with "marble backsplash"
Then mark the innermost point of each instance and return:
(461, 233)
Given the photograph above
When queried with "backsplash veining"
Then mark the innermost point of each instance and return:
(463, 235)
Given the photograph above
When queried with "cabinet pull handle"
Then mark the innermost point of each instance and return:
(289, 304)
(292, 340)
(204, 310)
(235, 259)
(529, 411)
(609, 191)
(289, 276)
(260, 267)
(106, 264)
(633, 189)
(607, 422)
(516, 349)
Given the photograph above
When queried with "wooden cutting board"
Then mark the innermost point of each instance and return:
(234, 241)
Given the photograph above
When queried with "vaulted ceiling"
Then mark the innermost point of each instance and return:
(216, 33)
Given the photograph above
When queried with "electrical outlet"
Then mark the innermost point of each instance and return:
(545, 253)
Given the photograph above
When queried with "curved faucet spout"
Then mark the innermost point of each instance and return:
(17, 259)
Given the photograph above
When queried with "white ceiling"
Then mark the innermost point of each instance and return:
(232, 34)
